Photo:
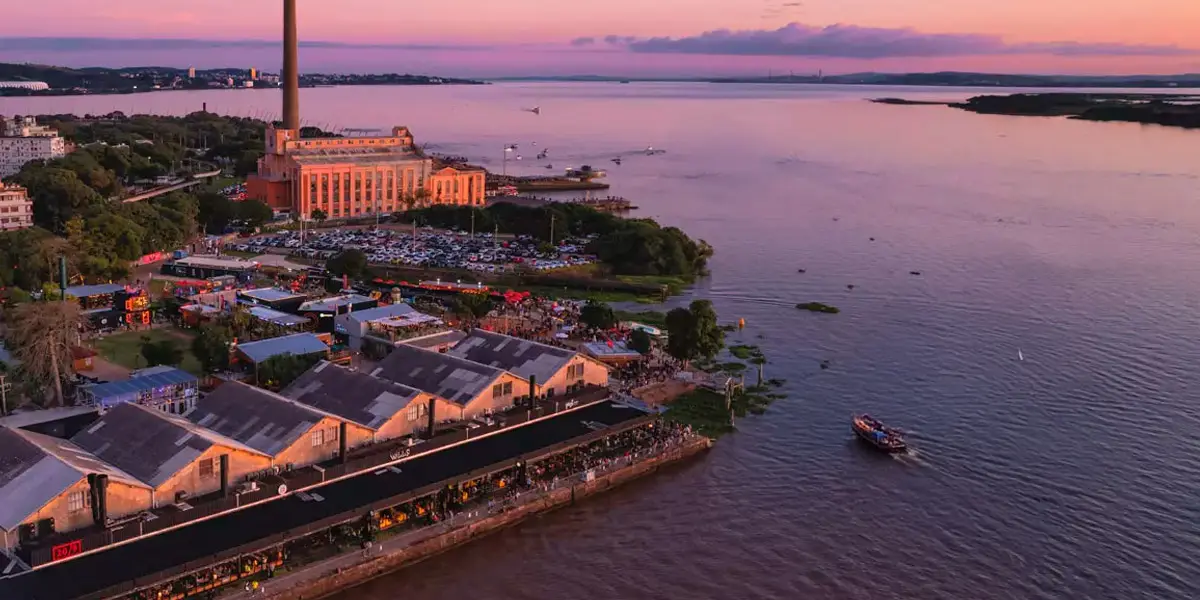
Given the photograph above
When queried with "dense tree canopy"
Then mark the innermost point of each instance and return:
(598, 315)
(639, 341)
(254, 213)
(212, 347)
(350, 263)
(693, 332)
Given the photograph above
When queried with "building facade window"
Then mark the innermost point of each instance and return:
(317, 438)
(206, 468)
(77, 501)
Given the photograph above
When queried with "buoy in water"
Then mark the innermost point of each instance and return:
(741, 323)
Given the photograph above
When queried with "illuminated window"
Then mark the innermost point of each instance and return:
(206, 468)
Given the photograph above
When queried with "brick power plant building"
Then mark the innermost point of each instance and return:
(350, 176)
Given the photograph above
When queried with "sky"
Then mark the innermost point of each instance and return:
(489, 38)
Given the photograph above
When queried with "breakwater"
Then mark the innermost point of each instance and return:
(352, 568)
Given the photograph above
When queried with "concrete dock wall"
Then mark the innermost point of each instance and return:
(353, 568)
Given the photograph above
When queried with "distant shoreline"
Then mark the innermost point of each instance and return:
(1168, 110)
(17, 93)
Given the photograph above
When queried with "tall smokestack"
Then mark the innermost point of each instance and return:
(291, 67)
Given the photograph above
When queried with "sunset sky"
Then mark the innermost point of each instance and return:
(632, 37)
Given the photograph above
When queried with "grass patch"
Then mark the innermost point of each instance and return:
(125, 349)
(705, 410)
(598, 296)
(745, 351)
(241, 254)
(653, 318)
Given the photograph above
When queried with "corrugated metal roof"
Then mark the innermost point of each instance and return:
(333, 303)
(455, 379)
(143, 382)
(35, 469)
(381, 312)
(144, 442)
(352, 395)
(438, 339)
(277, 317)
(522, 358)
(300, 344)
(270, 294)
(266, 422)
(83, 291)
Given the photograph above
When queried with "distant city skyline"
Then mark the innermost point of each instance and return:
(621, 37)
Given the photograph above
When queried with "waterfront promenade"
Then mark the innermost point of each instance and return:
(475, 521)
(148, 561)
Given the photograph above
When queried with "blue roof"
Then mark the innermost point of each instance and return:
(83, 291)
(277, 317)
(300, 344)
(149, 381)
(270, 294)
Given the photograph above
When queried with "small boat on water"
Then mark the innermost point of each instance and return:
(873, 432)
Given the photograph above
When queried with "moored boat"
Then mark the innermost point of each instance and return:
(875, 433)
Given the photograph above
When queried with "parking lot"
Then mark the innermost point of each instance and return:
(428, 248)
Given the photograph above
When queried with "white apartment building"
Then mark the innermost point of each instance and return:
(22, 140)
(16, 209)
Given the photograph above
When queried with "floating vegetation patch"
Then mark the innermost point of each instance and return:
(818, 307)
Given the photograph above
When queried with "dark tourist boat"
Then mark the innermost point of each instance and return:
(873, 432)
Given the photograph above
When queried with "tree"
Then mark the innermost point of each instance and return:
(278, 372)
(474, 306)
(639, 341)
(162, 352)
(40, 337)
(350, 263)
(693, 332)
(212, 347)
(597, 315)
(215, 211)
(254, 212)
(319, 215)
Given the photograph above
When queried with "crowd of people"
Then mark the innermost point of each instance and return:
(656, 368)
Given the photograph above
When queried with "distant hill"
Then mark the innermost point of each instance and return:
(946, 78)
(961, 79)
(127, 80)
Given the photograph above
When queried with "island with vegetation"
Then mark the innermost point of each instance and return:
(818, 307)
(1171, 110)
(65, 81)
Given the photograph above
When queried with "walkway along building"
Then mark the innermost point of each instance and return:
(45, 488)
(176, 459)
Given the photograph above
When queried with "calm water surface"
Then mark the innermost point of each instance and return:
(1071, 474)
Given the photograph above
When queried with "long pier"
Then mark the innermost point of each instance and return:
(145, 562)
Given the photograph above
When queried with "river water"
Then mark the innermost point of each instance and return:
(1071, 474)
